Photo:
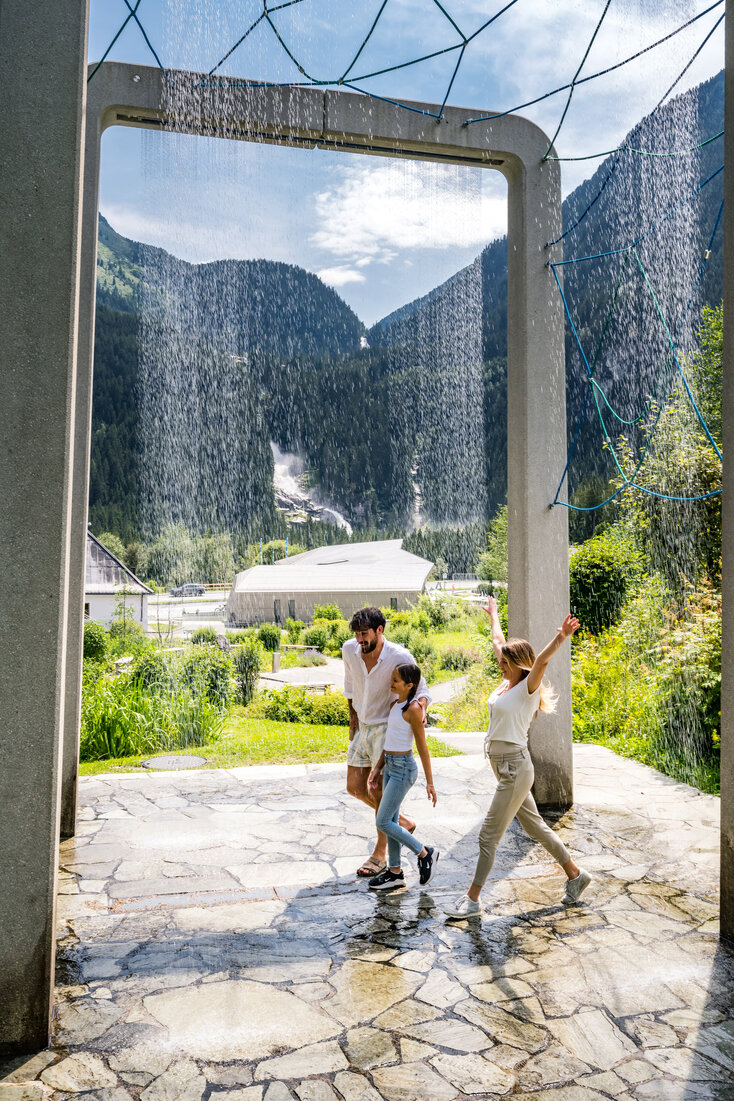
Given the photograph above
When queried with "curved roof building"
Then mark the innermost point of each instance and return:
(351, 575)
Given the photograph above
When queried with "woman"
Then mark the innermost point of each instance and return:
(512, 707)
(404, 725)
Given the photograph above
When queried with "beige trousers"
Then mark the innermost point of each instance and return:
(515, 774)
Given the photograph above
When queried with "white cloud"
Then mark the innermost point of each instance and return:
(374, 211)
(338, 276)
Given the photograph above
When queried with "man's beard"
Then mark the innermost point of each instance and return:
(368, 647)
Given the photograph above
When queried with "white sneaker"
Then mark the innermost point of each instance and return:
(464, 907)
(574, 887)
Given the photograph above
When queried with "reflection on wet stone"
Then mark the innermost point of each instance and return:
(214, 979)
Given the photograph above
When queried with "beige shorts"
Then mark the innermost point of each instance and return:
(366, 746)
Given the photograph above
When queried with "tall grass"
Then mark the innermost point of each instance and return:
(137, 713)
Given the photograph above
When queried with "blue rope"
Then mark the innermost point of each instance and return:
(654, 226)
(642, 489)
(615, 164)
(572, 85)
(149, 44)
(594, 76)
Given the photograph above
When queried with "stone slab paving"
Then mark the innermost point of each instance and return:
(214, 942)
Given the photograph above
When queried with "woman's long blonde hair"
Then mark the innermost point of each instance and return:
(520, 653)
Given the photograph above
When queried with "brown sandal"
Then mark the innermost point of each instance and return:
(370, 868)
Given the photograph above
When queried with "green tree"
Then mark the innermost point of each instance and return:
(492, 563)
(114, 544)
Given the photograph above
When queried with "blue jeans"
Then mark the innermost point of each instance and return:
(400, 773)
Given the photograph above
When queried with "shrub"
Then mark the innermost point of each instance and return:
(96, 641)
(270, 635)
(327, 611)
(329, 709)
(458, 657)
(209, 672)
(296, 705)
(421, 647)
(600, 573)
(294, 628)
(236, 637)
(309, 659)
(92, 671)
(204, 636)
(317, 637)
(401, 634)
(151, 671)
(125, 629)
(247, 669)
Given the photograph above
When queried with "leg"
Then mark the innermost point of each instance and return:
(357, 786)
(399, 779)
(531, 821)
(514, 780)
(536, 827)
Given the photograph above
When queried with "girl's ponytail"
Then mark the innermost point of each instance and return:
(409, 674)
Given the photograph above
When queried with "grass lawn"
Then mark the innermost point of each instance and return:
(250, 741)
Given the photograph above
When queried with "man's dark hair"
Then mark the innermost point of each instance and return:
(367, 619)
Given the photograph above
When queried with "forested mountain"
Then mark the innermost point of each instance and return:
(411, 429)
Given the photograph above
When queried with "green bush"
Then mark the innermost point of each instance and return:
(241, 636)
(209, 672)
(400, 634)
(293, 628)
(458, 658)
(421, 647)
(317, 637)
(296, 705)
(96, 641)
(92, 671)
(204, 636)
(247, 669)
(270, 635)
(600, 573)
(152, 671)
(329, 709)
(327, 611)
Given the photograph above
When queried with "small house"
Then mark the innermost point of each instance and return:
(109, 581)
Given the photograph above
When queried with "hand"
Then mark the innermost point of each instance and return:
(491, 607)
(432, 797)
(569, 626)
(373, 779)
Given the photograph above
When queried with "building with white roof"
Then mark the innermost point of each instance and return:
(351, 575)
(107, 580)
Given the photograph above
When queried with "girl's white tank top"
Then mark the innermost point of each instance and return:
(399, 733)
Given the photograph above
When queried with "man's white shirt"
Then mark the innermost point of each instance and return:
(370, 692)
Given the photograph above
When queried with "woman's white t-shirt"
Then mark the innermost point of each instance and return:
(511, 712)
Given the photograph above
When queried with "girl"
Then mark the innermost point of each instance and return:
(512, 707)
(404, 723)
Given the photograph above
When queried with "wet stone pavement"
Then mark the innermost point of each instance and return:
(214, 942)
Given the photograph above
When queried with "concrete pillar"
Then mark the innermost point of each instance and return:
(80, 477)
(727, 534)
(538, 597)
(42, 64)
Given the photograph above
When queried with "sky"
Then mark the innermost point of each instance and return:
(380, 231)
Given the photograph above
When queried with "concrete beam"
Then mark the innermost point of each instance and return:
(727, 533)
(42, 47)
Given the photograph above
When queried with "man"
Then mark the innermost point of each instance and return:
(369, 659)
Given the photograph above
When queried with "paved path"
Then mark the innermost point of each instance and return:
(213, 941)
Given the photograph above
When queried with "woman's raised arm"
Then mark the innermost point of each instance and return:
(498, 638)
(569, 627)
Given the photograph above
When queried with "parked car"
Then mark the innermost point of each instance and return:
(191, 588)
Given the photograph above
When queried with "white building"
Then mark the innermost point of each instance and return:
(107, 580)
(351, 575)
